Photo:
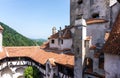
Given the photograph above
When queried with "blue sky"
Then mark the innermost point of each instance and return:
(35, 18)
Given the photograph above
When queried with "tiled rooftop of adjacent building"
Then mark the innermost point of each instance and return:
(38, 55)
(112, 44)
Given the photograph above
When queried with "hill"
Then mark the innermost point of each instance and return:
(13, 38)
(39, 41)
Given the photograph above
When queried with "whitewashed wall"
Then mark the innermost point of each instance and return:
(67, 43)
(55, 45)
(112, 66)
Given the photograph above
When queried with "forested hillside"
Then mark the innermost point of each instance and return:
(13, 38)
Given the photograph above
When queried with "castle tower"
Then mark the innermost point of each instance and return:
(1, 37)
(53, 30)
(79, 48)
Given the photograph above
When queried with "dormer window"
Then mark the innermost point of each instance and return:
(95, 15)
(80, 2)
(52, 41)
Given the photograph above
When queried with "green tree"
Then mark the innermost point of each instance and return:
(13, 38)
(31, 72)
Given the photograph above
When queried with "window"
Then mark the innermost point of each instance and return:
(95, 15)
(52, 41)
(61, 41)
(86, 43)
(91, 2)
(77, 49)
(80, 2)
(101, 61)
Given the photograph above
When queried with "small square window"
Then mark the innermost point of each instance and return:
(52, 41)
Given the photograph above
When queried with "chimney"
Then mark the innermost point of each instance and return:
(1, 37)
(79, 46)
(60, 33)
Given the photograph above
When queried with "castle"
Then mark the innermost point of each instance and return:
(96, 38)
(87, 48)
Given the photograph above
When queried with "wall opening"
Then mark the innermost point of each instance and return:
(95, 15)
(88, 64)
(52, 41)
(101, 61)
(91, 2)
(61, 41)
(118, 1)
(80, 2)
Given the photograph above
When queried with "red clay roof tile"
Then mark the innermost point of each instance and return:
(37, 54)
(112, 45)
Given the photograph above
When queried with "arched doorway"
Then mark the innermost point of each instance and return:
(6, 73)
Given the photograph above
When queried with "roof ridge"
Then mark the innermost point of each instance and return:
(6, 52)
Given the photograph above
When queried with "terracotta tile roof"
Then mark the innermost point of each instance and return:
(3, 54)
(95, 21)
(66, 33)
(112, 45)
(39, 55)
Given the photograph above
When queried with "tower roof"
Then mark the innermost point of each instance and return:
(112, 45)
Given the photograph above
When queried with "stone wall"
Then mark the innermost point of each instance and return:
(112, 66)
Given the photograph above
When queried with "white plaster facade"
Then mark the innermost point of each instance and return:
(53, 45)
(67, 44)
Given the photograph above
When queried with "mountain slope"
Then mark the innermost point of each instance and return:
(13, 38)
